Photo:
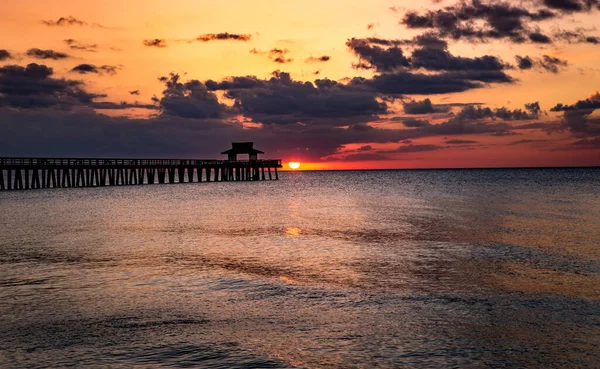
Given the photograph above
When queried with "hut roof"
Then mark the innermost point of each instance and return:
(242, 148)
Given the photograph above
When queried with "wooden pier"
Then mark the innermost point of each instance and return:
(37, 173)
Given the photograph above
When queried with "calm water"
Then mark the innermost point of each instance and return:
(411, 269)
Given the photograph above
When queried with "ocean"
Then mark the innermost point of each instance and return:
(350, 269)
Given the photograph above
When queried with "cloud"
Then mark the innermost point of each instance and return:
(413, 148)
(5, 55)
(279, 56)
(73, 44)
(65, 21)
(478, 21)
(134, 92)
(190, 100)
(46, 54)
(576, 117)
(431, 53)
(546, 63)
(437, 59)
(34, 87)
(157, 42)
(90, 68)
(524, 62)
(572, 5)
(552, 64)
(376, 57)
(460, 142)
(588, 144)
(313, 59)
(276, 55)
(222, 37)
(431, 84)
(414, 123)
(422, 107)
(71, 21)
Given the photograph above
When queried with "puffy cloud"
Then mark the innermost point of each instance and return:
(190, 100)
(438, 59)
(422, 107)
(372, 56)
(46, 54)
(34, 87)
(476, 20)
(5, 55)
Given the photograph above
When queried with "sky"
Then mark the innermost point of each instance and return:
(353, 84)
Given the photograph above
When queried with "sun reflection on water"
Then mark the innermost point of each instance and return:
(293, 231)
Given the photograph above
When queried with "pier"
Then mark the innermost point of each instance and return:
(38, 173)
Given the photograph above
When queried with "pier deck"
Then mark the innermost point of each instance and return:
(37, 173)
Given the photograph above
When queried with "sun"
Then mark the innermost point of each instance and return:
(294, 165)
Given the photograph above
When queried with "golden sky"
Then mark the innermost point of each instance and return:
(109, 36)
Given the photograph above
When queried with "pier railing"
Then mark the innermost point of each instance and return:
(39, 162)
(34, 173)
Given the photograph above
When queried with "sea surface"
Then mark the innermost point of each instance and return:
(357, 269)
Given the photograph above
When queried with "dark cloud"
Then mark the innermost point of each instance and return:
(280, 56)
(33, 87)
(372, 56)
(524, 62)
(282, 100)
(313, 59)
(430, 53)
(438, 59)
(539, 38)
(572, 5)
(521, 142)
(65, 21)
(71, 21)
(90, 68)
(134, 92)
(190, 100)
(4, 55)
(417, 83)
(414, 123)
(276, 55)
(460, 142)
(588, 144)
(223, 36)
(478, 21)
(576, 117)
(46, 54)
(413, 148)
(365, 157)
(422, 107)
(73, 44)
(546, 63)
(552, 64)
(157, 42)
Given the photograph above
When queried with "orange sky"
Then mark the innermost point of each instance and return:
(311, 28)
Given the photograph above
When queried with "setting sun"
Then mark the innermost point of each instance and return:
(294, 165)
